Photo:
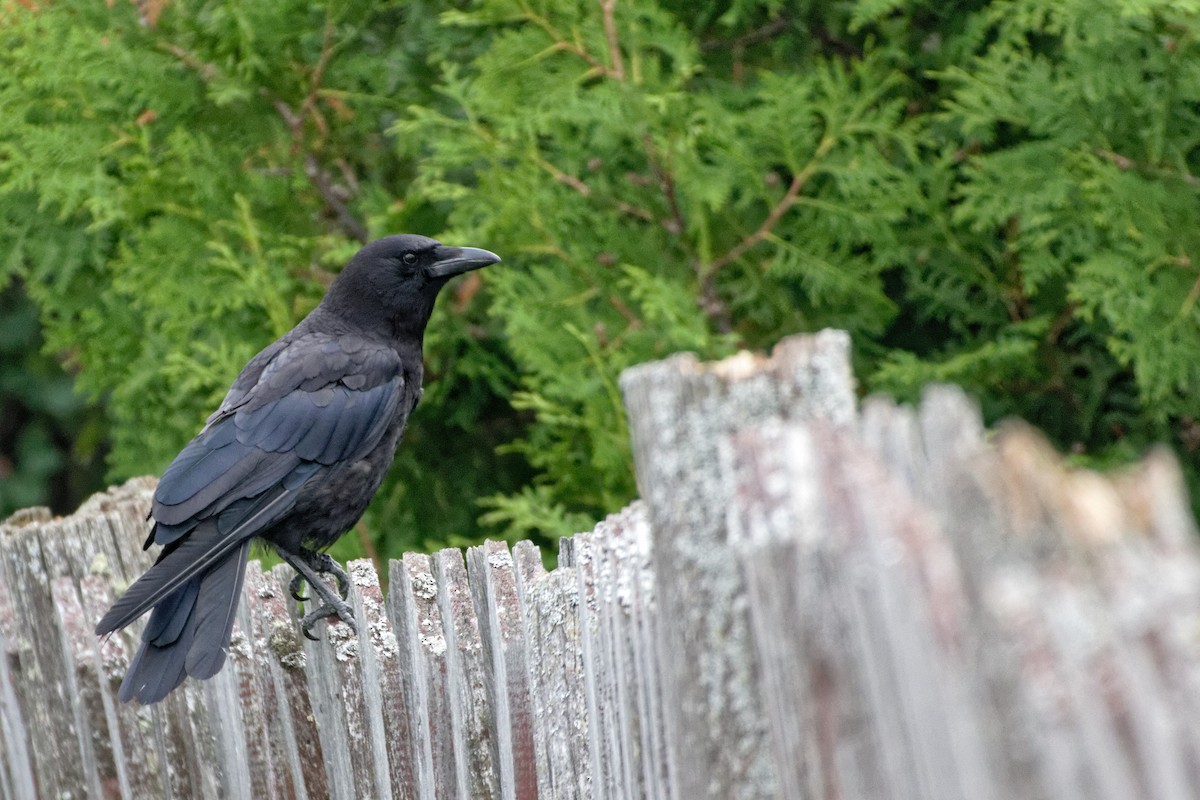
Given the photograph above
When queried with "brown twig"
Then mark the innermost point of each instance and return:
(294, 119)
(768, 224)
(1189, 302)
(1016, 300)
(709, 300)
(309, 106)
(206, 71)
(560, 41)
(1059, 326)
(320, 181)
(666, 183)
(582, 188)
(318, 176)
(1125, 163)
(839, 46)
(775, 214)
(563, 177)
(608, 9)
(713, 306)
(761, 34)
(633, 211)
(631, 319)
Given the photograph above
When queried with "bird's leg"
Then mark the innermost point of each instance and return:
(309, 565)
(320, 563)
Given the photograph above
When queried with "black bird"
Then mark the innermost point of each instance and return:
(292, 456)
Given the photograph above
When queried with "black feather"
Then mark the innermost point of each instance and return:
(166, 621)
(216, 606)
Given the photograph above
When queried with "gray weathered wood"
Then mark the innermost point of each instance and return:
(810, 601)
(414, 712)
(471, 714)
(493, 582)
(680, 414)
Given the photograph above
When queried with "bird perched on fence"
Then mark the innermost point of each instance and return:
(292, 456)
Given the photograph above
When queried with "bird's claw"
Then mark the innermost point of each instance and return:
(294, 588)
(341, 609)
(310, 565)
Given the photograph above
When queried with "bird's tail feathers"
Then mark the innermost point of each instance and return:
(193, 556)
(216, 606)
(188, 632)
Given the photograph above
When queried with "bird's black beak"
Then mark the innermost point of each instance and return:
(453, 261)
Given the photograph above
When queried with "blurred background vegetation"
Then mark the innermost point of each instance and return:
(999, 194)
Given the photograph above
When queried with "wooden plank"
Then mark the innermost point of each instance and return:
(635, 592)
(471, 714)
(403, 611)
(375, 646)
(16, 765)
(603, 677)
(16, 769)
(350, 727)
(863, 699)
(1155, 499)
(278, 617)
(184, 742)
(139, 772)
(621, 546)
(427, 636)
(182, 748)
(379, 651)
(595, 669)
(273, 732)
(556, 682)
(680, 413)
(493, 583)
(1085, 619)
(527, 561)
(78, 549)
(105, 777)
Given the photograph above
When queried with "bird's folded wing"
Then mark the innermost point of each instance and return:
(310, 405)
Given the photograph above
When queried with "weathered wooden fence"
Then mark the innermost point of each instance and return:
(812, 600)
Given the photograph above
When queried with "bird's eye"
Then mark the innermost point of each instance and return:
(410, 258)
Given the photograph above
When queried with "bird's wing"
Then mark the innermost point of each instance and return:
(320, 401)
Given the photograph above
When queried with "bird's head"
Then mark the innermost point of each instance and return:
(393, 281)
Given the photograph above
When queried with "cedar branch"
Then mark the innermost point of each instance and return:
(1125, 163)
(775, 214)
(608, 9)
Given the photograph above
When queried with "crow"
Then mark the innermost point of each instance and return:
(292, 457)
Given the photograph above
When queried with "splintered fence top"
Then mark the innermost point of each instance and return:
(812, 600)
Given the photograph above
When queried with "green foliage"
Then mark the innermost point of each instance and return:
(50, 440)
(177, 194)
(998, 194)
(1064, 196)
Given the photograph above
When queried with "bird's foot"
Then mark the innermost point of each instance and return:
(309, 566)
(331, 607)
(320, 563)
